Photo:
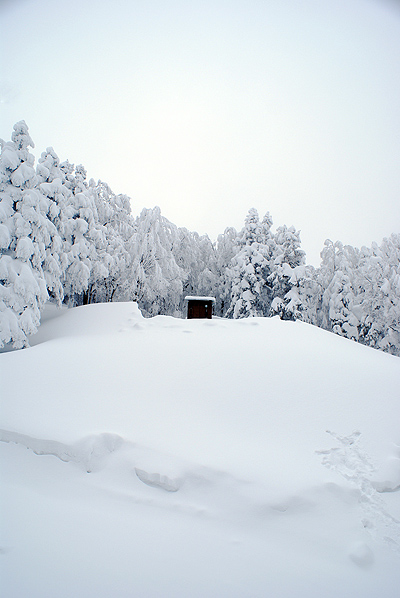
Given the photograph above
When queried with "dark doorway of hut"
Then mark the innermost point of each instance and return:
(199, 307)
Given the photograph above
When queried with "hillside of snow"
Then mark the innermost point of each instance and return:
(163, 457)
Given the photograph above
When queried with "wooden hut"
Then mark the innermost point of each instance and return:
(199, 307)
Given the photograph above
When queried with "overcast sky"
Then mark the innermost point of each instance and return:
(210, 107)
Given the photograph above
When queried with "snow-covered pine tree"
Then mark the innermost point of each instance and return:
(251, 268)
(187, 255)
(58, 208)
(225, 250)
(309, 291)
(87, 255)
(114, 216)
(207, 267)
(380, 271)
(155, 277)
(195, 255)
(340, 305)
(25, 234)
(288, 273)
(390, 247)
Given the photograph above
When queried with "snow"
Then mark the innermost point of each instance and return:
(166, 457)
(25, 248)
(22, 175)
(9, 158)
(5, 237)
(198, 298)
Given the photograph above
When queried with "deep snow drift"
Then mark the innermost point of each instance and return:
(166, 457)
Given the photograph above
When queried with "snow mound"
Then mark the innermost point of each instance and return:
(87, 320)
(208, 457)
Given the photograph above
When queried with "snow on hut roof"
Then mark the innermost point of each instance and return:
(193, 298)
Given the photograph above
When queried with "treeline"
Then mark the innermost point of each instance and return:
(73, 241)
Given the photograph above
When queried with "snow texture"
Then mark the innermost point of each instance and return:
(166, 457)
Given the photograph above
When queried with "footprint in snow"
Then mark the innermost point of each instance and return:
(361, 555)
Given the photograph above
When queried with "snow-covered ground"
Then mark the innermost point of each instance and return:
(190, 458)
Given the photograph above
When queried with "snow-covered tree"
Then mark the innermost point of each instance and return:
(340, 305)
(113, 213)
(390, 287)
(187, 255)
(85, 239)
(25, 236)
(195, 255)
(225, 250)
(380, 272)
(58, 209)
(155, 277)
(251, 268)
(207, 266)
(288, 272)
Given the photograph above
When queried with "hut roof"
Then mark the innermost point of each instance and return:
(193, 298)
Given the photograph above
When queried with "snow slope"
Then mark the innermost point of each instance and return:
(181, 458)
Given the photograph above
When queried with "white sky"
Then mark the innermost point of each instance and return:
(212, 107)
